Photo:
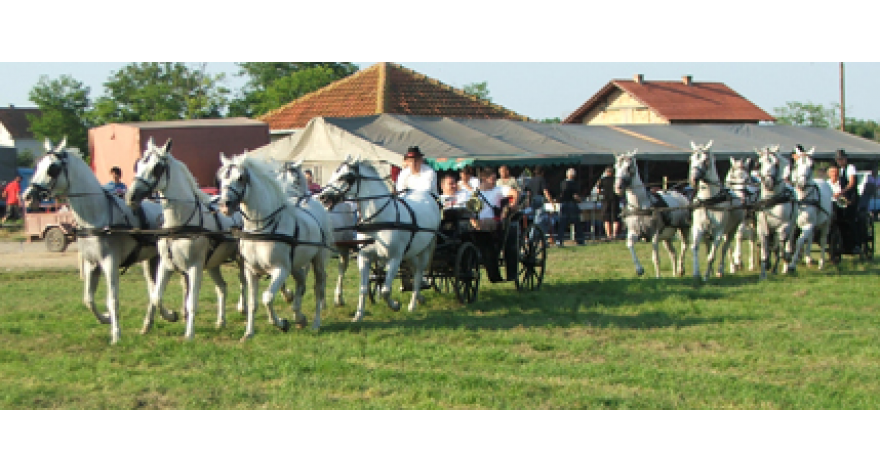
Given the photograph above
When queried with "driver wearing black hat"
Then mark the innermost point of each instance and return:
(848, 189)
(416, 175)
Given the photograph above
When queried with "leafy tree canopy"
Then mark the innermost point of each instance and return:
(65, 107)
(808, 115)
(479, 90)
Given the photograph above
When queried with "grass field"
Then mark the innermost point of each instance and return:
(594, 337)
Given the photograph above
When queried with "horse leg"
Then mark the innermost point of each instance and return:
(715, 246)
(393, 267)
(655, 254)
(319, 265)
(242, 287)
(753, 243)
(823, 243)
(194, 284)
(299, 276)
(253, 283)
(419, 264)
(696, 240)
(806, 236)
(162, 275)
(151, 270)
(673, 257)
(631, 245)
(111, 273)
(363, 262)
(765, 253)
(684, 234)
(736, 255)
(344, 257)
(221, 289)
(92, 275)
(726, 241)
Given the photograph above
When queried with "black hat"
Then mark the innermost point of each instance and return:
(413, 152)
(840, 154)
(799, 149)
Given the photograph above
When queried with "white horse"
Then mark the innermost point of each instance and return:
(342, 216)
(740, 183)
(646, 218)
(775, 207)
(404, 228)
(187, 211)
(716, 212)
(278, 238)
(814, 210)
(102, 220)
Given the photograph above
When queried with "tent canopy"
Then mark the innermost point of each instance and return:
(452, 143)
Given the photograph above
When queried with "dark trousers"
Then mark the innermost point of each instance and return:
(850, 232)
(570, 214)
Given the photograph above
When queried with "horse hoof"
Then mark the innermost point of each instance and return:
(284, 325)
(640, 271)
(394, 305)
(103, 318)
(302, 324)
(170, 316)
(358, 316)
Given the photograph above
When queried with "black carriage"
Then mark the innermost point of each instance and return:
(842, 242)
(513, 252)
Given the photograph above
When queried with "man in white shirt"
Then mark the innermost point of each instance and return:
(452, 196)
(416, 175)
(491, 196)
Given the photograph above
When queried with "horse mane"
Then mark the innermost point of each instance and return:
(179, 167)
(266, 172)
(302, 189)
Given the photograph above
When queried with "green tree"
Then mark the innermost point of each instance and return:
(808, 115)
(551, 120)
(26, 159)
(864, 128)
(479, 90)
(260, 94)
(65, 108)
(142, 92)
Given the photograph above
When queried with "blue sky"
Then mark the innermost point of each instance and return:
(555, 89)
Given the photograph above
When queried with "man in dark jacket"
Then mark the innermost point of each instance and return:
(610, 203)
(569, 212)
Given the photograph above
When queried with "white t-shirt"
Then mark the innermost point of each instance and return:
(459, 199)
(493, 196)
(424, 180)
(473, 182)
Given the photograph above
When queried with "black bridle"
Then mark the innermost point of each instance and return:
(59, 165)
(160, 170)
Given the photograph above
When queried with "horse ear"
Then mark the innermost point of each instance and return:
(634, 152)
(61, 146)
(709, 145)
(811, 151)
(694, 146)
(775, 149)
(151, 144)
(47, 144)
(299, 163)
(167, 147)
(223, 160)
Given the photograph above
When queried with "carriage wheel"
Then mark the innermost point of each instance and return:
(835, 245)
(868, 247)
(377, 279)
(56, 241)
(442, 284)
(466, 279)
(532, 259)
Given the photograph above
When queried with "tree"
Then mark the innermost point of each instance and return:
(480, 90)
(260, 94)
(65, 107)
(864, 128)
(551, 120)
(142, 92)
(808, 115)
(26, 159)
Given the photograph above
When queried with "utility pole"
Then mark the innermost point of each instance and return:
(842, 108)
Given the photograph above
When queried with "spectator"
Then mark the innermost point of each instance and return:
(12, 194)
(538, 194)
(468, 181)
(491, 196)
(451, 196)
(569, 212)
(610, 204)
(314, 188)
(116, 186)
(508, 184)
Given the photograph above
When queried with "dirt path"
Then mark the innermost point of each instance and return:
(22, 255)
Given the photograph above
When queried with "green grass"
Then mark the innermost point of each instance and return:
(594, 337)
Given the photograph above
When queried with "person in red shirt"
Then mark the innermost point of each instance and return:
(13, 201)
(314, 188)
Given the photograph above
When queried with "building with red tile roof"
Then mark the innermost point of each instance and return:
(383, 88)
(639, 101)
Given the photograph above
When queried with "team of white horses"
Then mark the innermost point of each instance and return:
(266, 223)
(718, 213)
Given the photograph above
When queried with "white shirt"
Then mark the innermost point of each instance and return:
(493, 196)
(424, 180)
(456, 200)
(473, 182)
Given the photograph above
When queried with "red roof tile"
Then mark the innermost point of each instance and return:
(383, 88)
(676, 101)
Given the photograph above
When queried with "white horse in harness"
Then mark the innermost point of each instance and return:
(185, 245)
(278, 239)
(645, 217)
(342, 216)
(814, 211)
(775, 207)
(403, 228)
(716, 211)
(103, 225)
(740, 182)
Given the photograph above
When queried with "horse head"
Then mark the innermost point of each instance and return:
(293, 180)
(233, 178)
(342, 182)
(700, 162)
(803, 172)
(769, 167)
(625, 170)
(151, 173)
(50, 176)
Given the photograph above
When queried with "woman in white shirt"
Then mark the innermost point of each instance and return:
(468, 181)
(491, 196)
(416, 175)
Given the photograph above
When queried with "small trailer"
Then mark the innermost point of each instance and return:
(54, 226)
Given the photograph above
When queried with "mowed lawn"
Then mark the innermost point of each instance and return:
(594, 337)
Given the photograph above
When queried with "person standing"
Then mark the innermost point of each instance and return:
(569, 212)
(314, 188)
(12, 194)
(468, 181)
(416, 175)
(610, 204)
(116, 186)
(849, 190)
(539, 194)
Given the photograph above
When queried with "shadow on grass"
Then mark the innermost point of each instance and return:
(595, 303)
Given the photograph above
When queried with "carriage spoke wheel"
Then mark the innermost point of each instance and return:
(532, 259)
(377, 279)
(56, 241)
(868, 247)
(466, 279)
(442, 284)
